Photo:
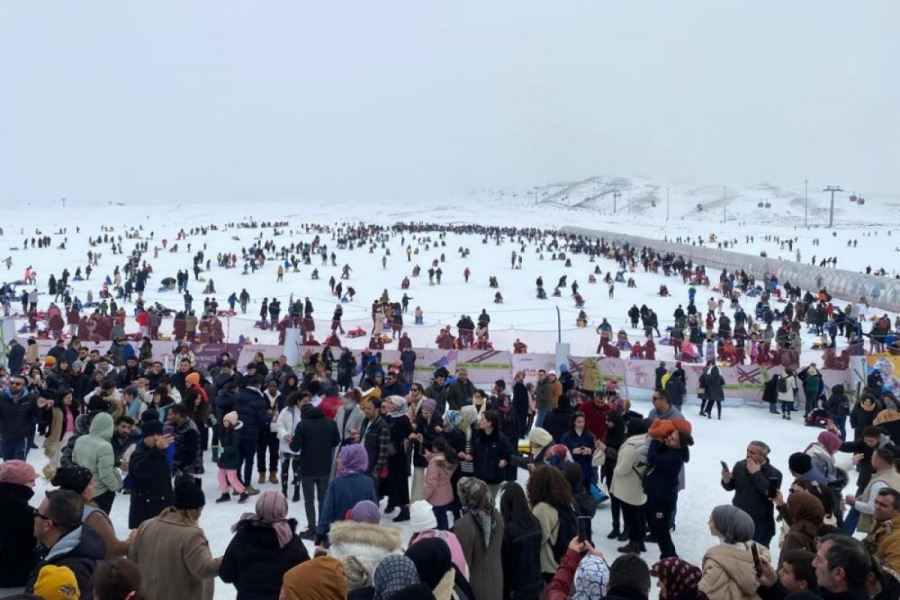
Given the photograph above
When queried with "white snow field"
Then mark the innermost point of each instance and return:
(521, 314)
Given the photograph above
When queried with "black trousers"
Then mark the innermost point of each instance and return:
(292, 462)
(634, 522)
(105, 501)
(314, 488)
(268, 441)
(659, 517)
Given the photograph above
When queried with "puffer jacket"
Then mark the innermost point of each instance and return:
(17, 415)
(729, 574)
(363, 540)
(95, 452)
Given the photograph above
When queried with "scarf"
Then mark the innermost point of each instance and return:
(398, 408)
(354, 459)
(477, 501)
(394, 573)
(454, 418)
(591, 578)
(271, 511)
(680, 577)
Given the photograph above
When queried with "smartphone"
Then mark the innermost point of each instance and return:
(757, 564)
(773, 488)
(584, 527)
(724, 465)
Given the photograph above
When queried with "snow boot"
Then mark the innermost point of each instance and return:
(296, 496)
(262, 477)
(223, 498)
(403, 515)
(273, 477)
(243, 498)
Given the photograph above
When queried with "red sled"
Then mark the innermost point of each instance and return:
(355, 333)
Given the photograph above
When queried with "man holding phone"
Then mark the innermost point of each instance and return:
(755, 482)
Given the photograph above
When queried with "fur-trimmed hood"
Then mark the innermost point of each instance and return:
(363, 540)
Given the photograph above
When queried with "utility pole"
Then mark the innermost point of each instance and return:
(806, 203)
(616, 195)
(724, 203)
(832, 189)
(667, 203)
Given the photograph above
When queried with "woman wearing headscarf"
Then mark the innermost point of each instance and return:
(677, 579)
(437, 570)
(728, 569)
(480, 533)
(396, 485)
(805, 514)
(350, 485)
(393, 574)
(264, 547)
(583, 574)
(321, 578)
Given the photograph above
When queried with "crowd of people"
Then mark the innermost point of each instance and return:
(500, 487)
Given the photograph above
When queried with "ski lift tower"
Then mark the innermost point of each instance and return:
(832, 189)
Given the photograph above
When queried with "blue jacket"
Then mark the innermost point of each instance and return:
(661, 482)
(342, 495)
(252, 412)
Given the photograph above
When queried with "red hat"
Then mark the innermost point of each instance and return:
(18, 472)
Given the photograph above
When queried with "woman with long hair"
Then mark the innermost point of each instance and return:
(548, 493)
(521, 551)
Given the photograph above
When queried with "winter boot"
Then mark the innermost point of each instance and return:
(403, 515)
(262, 477)
(251, 491)
(630, 548)
(296, 496)
(614, 533)
(273, 477)
(223, 498)
(243, 498)
(284, 488)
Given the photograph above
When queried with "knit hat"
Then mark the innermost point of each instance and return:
(321, 578)
(49, 361)
(365, 511)
(192, 378)
(74, 478)
(799, 463)
(231, 418)
(188, 495)
(421, 516)
(591, 578)
(428, 405)
(733, 524)
(831, 441)
(56, 583)
(152, 427)
(17, 472)
(680, 577)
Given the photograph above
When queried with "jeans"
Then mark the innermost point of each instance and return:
(105, 501)
(659, 516)
(541, 415)
(440, 515)
(14, 449)
(851, 521)
(841, 424)
(268, 440)
(314, 488)
(247, 450)
(787, 408)
(291, 461)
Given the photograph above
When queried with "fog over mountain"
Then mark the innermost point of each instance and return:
(240, 101)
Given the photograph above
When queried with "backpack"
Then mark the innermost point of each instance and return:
(782, 385)
(566, 529)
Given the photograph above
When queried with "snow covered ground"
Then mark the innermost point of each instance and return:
(521, 315)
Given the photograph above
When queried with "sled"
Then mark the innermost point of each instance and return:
(355, 333)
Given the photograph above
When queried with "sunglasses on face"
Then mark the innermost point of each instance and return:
(36, 513)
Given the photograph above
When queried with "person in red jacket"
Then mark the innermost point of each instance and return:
(595, 410)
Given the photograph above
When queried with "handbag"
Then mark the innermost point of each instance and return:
(598, 458)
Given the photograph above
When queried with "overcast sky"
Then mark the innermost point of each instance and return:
(205, 100)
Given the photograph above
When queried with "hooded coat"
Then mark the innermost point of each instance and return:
(80, 550)
(151, 484)
(95, 453)
(729, 573)
(16, 535)
(363, 540)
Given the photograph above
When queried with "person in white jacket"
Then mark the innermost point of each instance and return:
(286, 424)
(627, 484)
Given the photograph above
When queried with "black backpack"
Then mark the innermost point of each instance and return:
(566, 529)
(782, 385)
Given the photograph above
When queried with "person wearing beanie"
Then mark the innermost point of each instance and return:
(321, 578)
(57, 583)
(264, 547)
(172, 552)
(421, 516)
(17, 479)
(79, 480)
(728, 568)
(151, 478)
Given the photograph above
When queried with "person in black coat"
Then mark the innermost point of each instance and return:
(559, 419)
(253, 412)
(490, 451)
(666, 458)
(17, 541)
(521, 404)
(151, 479)
(315, 439)
(263, 549)
(750, 480)
(15, 357)
(520, 554)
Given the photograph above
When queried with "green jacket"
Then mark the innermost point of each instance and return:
(95, 452)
